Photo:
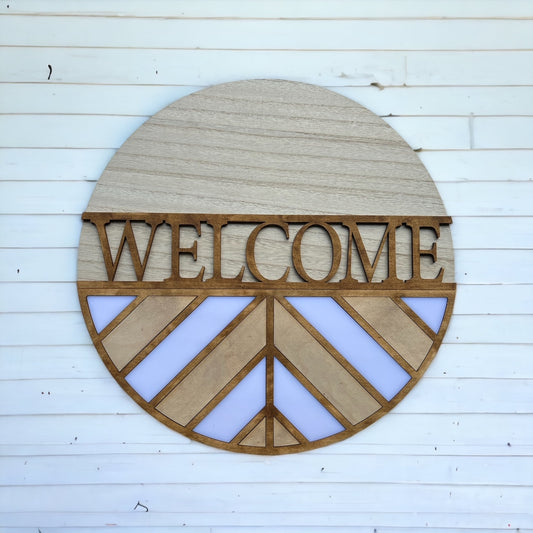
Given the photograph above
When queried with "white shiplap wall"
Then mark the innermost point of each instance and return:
(455, 79)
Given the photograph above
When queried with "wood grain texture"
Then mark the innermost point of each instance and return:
(463, 471)
(204, 383)
(256, 437)
(125, 340)
(395, 326)
(313, 360)
(265, 136)
(264, 147)
(277, 168)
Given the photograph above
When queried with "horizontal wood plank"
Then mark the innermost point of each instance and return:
(470, 68)
(361, 468)
(250, 498)
(311, 520)
(104, 396)
(333, 68)
(198, 67)
(66, 131)
(224, 34)
(508, 132)
(480, 165)
(279, 9)
(35, 164)
(432, 133)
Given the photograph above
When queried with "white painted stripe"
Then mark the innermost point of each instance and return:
(184, 343)
(354, 343)
(105, 308)
(237, 408)
(430, 310)
(300, 407)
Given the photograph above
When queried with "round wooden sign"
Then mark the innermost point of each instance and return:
(266, 267)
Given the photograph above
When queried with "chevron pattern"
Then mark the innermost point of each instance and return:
(265, 373)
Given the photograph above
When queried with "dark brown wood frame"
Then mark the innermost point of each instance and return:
(272, 292)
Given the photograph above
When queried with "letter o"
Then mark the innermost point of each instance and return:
(335, 250)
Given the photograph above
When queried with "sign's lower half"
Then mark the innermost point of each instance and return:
(266, 267)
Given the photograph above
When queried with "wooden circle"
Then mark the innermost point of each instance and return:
(281, 206)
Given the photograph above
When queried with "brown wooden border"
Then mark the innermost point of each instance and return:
(269, 412)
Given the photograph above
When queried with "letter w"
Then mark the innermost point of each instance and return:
(129, 237)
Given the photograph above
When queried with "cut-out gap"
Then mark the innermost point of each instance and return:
(301, 407)
(105, 308)
(237, 408)
(171, 355)
(354, 343)
(430, 310)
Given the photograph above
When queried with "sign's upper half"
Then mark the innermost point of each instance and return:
(266, 267)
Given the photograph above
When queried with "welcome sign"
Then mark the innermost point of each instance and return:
(266, 267)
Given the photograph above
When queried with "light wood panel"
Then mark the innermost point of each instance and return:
(261, 147)
(86, 164)
(125, 340)
(205, 382)
(237, 124)
(319, 366)
(256, 437)
(403, 333)
(274, 167)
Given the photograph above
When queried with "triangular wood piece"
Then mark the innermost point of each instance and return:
(282, 437)
(256, 437)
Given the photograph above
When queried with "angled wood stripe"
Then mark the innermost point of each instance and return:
(319, 366)
(141, 326)
(395, 327)
(207, 379)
